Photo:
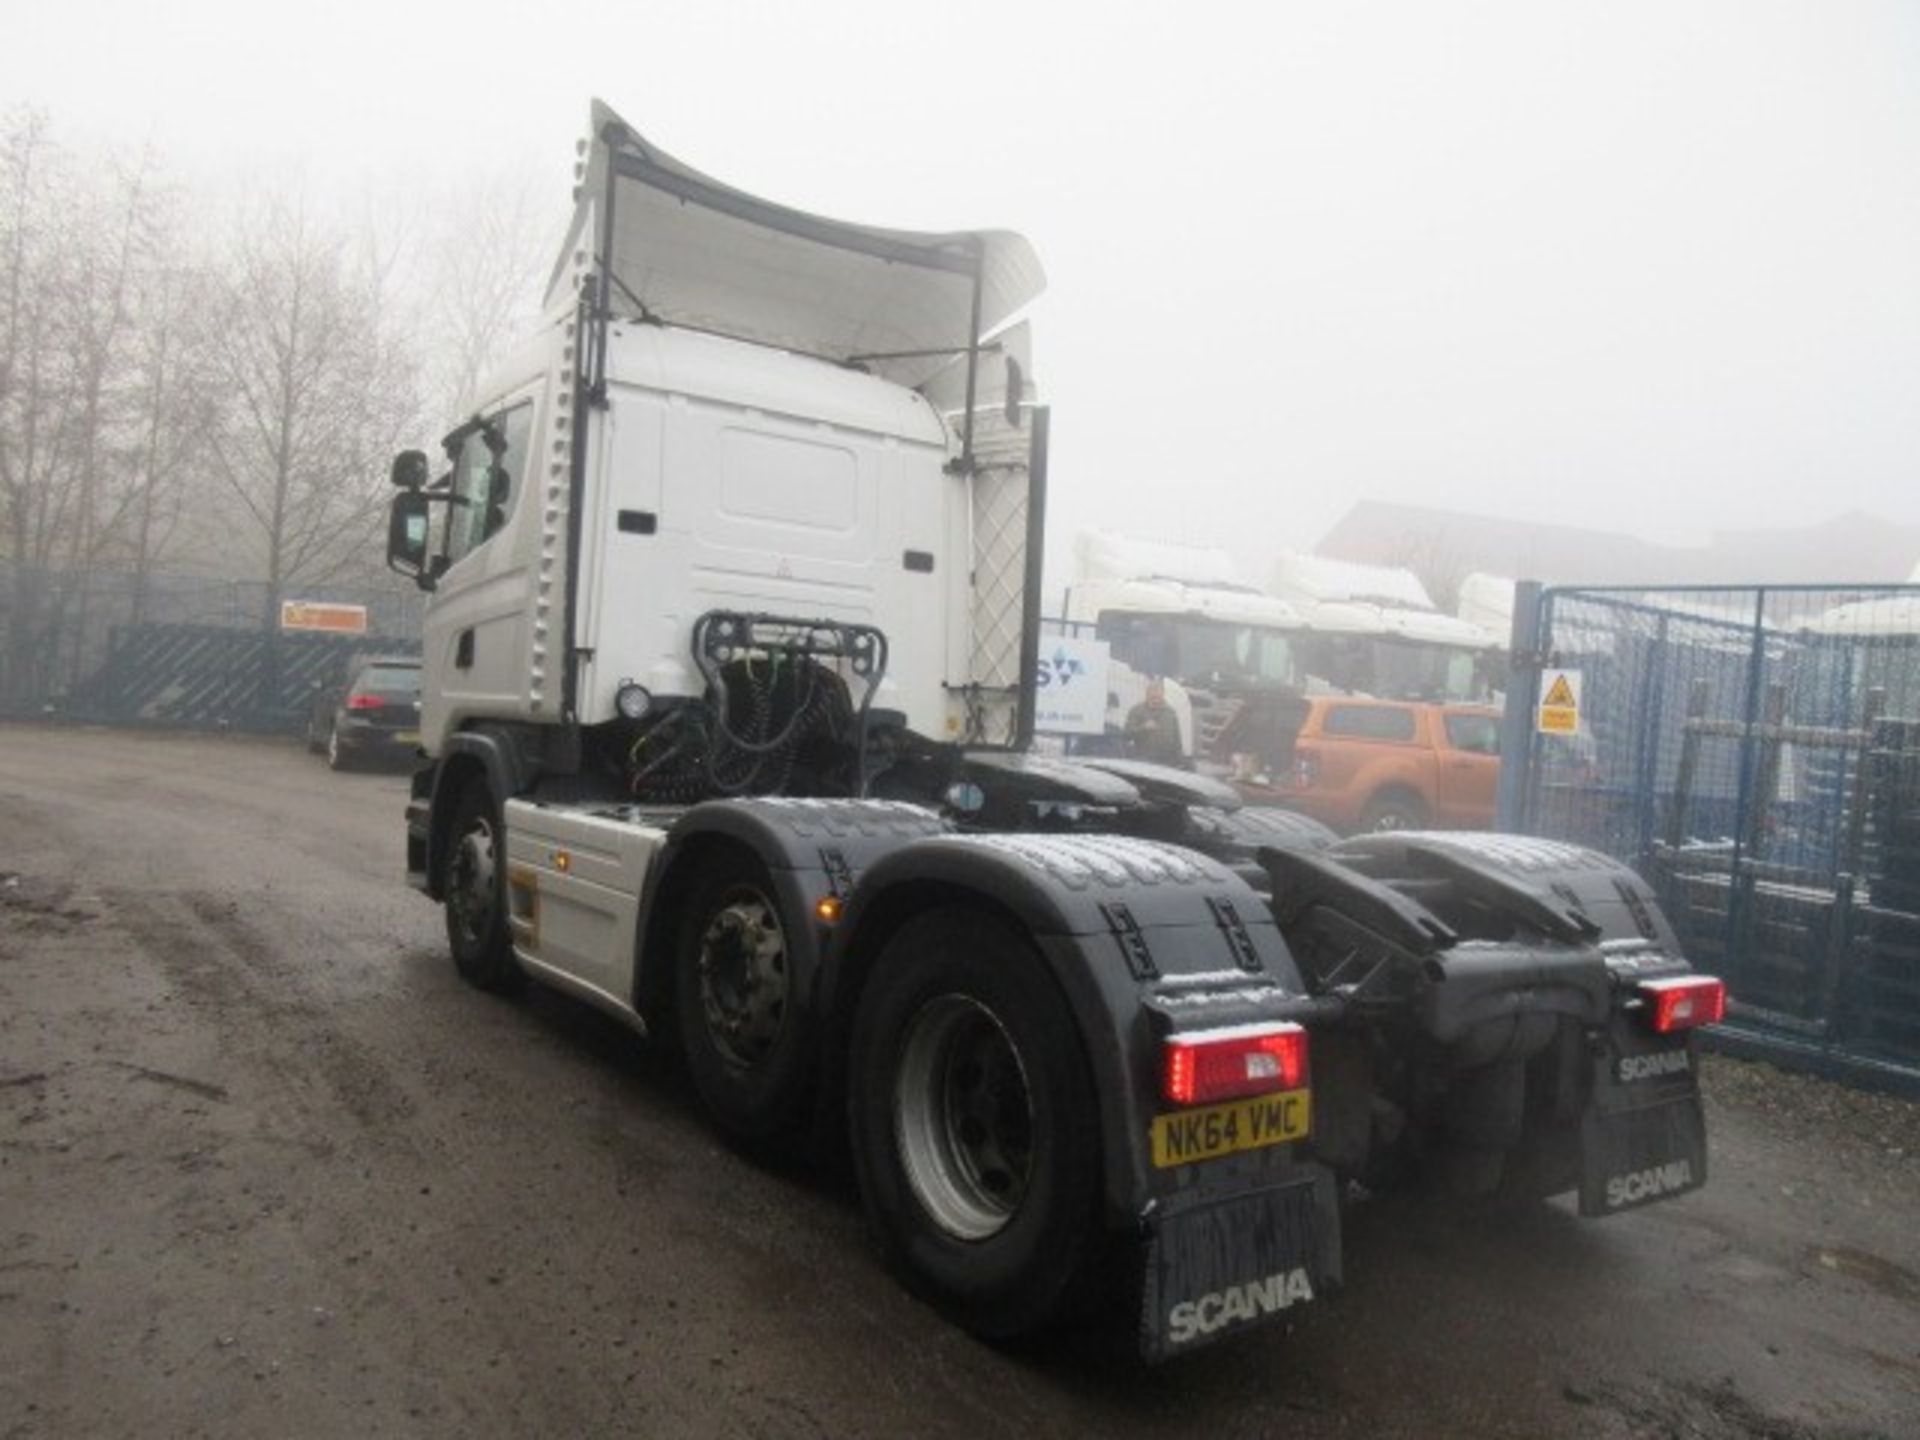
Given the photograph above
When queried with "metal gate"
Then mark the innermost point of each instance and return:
(1755, 754)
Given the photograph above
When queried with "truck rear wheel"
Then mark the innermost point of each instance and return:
(735, 1000)
(973, 1126)
(476, 893)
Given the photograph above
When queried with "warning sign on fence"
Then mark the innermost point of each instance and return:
(1560, 702)
(323, 615)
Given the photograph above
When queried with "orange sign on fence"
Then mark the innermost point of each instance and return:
(323, 615)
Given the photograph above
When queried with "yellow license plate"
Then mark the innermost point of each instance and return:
(408, 737)
(1216, 1130)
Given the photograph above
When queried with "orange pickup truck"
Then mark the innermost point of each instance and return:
(1391, 765)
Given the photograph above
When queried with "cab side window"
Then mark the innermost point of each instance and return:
(1476, 734)
(1370, 722)
(488, 467)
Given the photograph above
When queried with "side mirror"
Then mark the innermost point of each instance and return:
(410, 469)
(407, 534)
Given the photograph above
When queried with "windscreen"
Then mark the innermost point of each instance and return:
(1199, 651)
(1398, 669)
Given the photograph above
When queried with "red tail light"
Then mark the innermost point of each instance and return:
(1209, 1065)
(365, 702)
(1684, 1001)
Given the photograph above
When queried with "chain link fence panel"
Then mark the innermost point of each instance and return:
(1755, 753)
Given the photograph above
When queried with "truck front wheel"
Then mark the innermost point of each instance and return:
(973, 1121)
(476, 893)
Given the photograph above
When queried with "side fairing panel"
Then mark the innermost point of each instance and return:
(574, 879)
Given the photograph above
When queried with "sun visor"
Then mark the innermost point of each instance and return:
(687, 250)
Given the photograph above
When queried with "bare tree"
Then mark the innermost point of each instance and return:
(237, 406)
(93, 430)
(151, 400)
(115, 238)
(321, 391)
(38, 424)
(176, 411)
(489, 248)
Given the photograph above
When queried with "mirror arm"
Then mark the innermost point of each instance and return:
(422, 578)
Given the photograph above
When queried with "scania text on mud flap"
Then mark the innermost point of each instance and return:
(1191, 1319)
(727, 663)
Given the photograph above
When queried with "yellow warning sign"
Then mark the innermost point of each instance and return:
(1560, 702)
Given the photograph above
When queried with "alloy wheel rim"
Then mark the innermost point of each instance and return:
(963, 1117)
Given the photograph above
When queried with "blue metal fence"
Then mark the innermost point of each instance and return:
(1755, 753)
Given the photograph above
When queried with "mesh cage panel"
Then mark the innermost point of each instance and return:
(1000, 499)
(1755, 753)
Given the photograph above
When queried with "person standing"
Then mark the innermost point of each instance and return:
(1153, 728)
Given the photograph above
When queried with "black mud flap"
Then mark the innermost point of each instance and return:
(1218, 1265)
(1644, 1136)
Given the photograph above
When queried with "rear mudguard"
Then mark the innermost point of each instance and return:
(813, 850)
(1143, 939)
(1565, 892)
(1482, 934)
(1507, 969)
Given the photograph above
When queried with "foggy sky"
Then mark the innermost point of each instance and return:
(1643, 267)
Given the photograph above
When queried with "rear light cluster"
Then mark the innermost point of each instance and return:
(1683, 1002)
(1208, 1065)
(365, 702)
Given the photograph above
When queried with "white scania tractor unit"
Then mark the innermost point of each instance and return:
(1224, 652)
(1376, 631)
(735, 601)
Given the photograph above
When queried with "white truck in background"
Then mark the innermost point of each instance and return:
(726, 701)
(1236, 660)
(1180, 614)
(1487, 601)
(1376, 631)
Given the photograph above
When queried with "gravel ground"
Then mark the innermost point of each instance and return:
(267, 1167)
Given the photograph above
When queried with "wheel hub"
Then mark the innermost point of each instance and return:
(963, 1117)
(470, 881)
(743, 979)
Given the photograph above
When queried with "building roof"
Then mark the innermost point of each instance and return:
(1853, 548)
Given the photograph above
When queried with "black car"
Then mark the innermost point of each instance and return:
(374, 713)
